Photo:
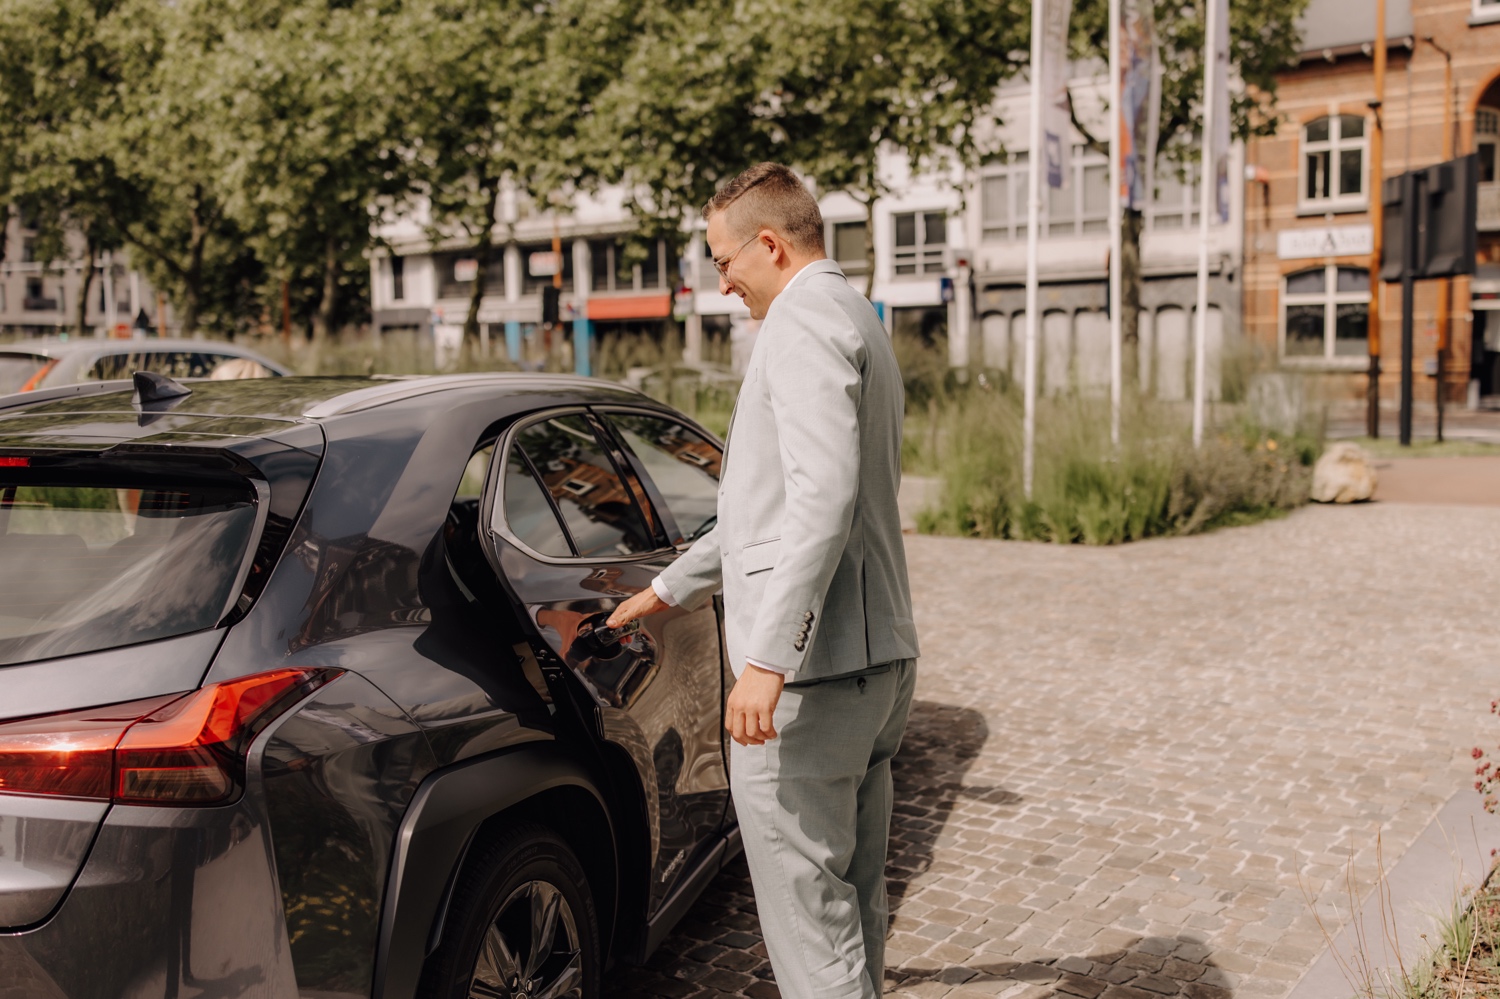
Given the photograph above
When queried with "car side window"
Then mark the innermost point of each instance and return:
(529, 513)
(172, 363)
(599, 512)
(682, 465)
(110, 367)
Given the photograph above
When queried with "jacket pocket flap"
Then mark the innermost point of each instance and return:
(760, 555)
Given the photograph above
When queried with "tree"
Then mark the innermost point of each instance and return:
(1263, 41)
(309, 140)
(57, 85)
(707, 90)
(162, 141)
(498, 90)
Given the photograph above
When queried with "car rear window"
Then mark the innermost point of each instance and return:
(114, 563)
(16, 370)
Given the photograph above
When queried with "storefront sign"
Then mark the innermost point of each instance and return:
(544, 263)
(1325, 241)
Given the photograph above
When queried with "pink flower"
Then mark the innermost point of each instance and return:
(1476, 752)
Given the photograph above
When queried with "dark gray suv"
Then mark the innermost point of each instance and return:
(305, 687)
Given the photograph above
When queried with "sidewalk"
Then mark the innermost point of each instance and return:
(1464, 481)
(1140, 771)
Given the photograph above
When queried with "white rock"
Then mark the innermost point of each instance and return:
(1344, 474)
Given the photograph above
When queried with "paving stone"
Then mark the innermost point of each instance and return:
(1124, 765)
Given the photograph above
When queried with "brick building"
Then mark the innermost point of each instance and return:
(1308, 236)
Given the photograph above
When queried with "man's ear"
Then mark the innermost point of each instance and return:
(779, 248)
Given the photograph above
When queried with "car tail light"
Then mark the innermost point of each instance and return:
(179, 749)
(11, 461)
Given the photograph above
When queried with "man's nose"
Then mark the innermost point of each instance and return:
(726, 286)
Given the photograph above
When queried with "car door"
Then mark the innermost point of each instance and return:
(575, 533)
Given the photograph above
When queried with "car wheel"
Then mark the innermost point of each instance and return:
(521, 925)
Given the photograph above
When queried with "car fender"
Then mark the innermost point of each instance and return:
(445, 813)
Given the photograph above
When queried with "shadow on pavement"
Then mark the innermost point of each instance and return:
(941, 745)
(1150, 966)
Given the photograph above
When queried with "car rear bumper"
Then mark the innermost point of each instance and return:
(171, 901)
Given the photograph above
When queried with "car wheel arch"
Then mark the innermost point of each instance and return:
(456, 806)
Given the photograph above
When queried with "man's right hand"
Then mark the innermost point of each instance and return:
(643, 603)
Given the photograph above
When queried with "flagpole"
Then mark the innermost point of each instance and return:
(1116, 313)
(1037, 162)
(1208, 178)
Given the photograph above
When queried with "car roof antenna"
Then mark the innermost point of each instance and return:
(151, 387)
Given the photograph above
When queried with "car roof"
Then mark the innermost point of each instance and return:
(55, 346)
(254, 407)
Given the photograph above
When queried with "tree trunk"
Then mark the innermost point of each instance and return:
(1130, 299)
(86, 284)
(870, 246)
(332, 268)
(192, 277)
(484, 252)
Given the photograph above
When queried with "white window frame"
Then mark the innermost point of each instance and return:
(1485, 11)
(926, 258)
(1335, 145)
(1081, 223)
(851, 267)
(992, 229)
(1487, 134)
(1330, 298)
(1184, 207)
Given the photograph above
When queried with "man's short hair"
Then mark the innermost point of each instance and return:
(770, 196)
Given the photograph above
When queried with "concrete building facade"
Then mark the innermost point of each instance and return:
(1073, 262)
(42, 297)
(610, 287)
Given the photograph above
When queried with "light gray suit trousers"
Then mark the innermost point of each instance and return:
(814, 806)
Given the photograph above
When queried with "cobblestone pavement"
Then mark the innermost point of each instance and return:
(1128, 770)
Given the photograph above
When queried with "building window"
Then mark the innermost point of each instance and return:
(36, 299)
(398, 279)
(1174, 203)
(1333, 162)
(611, 269)
(1487, 148)
(849, 250)
(1002, 199)
(1326, 313)
(920, 238)
(1083, 205)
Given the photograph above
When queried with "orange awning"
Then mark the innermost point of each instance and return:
(631, 307)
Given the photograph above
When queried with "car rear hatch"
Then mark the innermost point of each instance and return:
(126, 550)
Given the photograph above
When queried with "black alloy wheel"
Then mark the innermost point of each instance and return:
(523, 924)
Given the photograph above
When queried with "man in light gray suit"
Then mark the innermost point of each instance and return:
(808, 552)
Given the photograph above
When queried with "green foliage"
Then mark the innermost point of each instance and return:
(1264, 39)
(1088, 491)
(706, 90)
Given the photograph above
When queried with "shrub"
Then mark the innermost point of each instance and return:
(1088, 490)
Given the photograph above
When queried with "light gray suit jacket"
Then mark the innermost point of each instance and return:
(808, 545)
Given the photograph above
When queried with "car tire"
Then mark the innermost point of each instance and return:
(521, 923)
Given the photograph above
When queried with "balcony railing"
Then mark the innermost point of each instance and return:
(39, 304)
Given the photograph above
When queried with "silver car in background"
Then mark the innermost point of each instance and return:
(49, 362)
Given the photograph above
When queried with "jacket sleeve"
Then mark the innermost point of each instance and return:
(813, 371)
(697, 574)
